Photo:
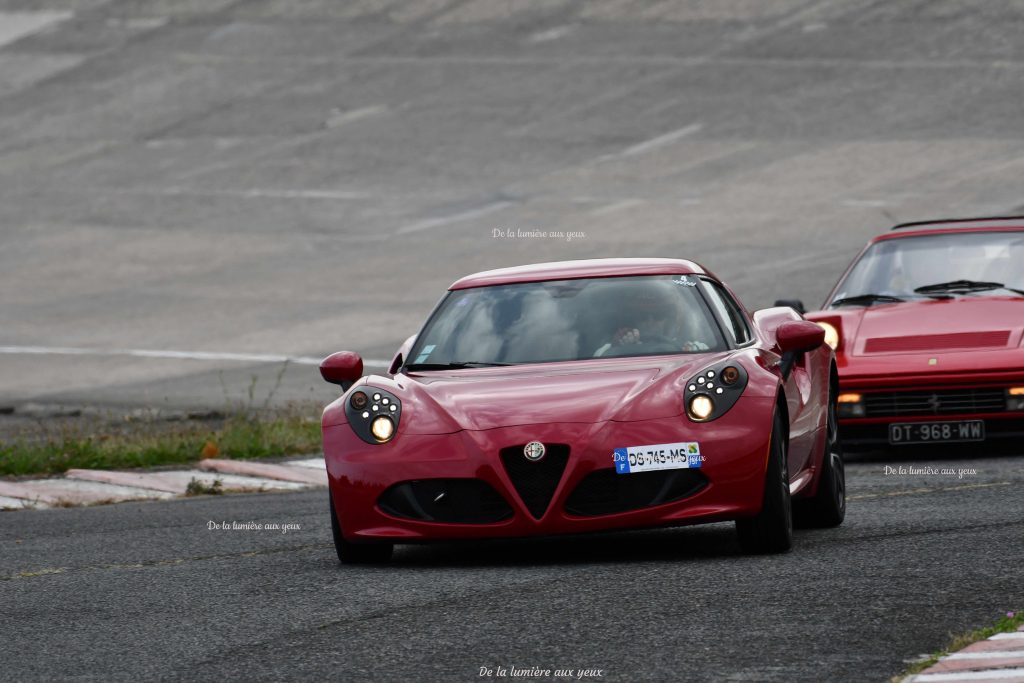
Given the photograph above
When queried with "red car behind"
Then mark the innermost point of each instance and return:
(928, 328)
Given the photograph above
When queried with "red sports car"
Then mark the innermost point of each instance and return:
(586, 396)
(927, 324)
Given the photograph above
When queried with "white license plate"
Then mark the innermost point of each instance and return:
(936, 432)
(665, 456)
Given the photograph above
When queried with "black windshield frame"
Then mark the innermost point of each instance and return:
(702, 308)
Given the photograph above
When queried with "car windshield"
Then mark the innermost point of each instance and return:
(943, 265)
(559, 320)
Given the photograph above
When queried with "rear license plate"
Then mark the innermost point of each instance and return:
(665, 456)
(936, 432)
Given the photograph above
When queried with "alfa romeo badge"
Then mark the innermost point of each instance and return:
(534, 451)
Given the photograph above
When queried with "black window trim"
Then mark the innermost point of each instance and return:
(724, 325)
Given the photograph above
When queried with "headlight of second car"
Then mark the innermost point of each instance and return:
(832, 337)
(714, 390)
(373, 414)
(1015, 398)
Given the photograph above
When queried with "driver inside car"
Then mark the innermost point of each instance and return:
(648, 320)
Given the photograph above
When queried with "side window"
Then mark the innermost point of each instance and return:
(729, 312)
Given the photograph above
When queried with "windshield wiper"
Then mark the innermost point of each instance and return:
(455, 365)
(966, 286)
(866, 300)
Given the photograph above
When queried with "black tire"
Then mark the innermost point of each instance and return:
(357, 553)
(827, 508)
(771, 531)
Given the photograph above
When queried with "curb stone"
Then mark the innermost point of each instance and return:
(92, 487)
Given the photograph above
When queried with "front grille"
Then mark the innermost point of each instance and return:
(454, 501)
(603, 492)
(939, 402)
(535, 482)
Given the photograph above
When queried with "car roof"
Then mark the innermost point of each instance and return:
(570, 270)
(944, 225)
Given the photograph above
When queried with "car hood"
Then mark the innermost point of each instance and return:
(935, 326)
(582, 391)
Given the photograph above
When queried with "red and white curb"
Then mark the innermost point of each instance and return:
(91, 487)
(999, 659)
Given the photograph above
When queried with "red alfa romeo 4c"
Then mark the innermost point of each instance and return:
(586, 396)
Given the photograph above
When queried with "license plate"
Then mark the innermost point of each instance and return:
(665, 456)
(936, 432)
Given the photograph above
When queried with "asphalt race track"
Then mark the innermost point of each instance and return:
(149, 591)
(224, 184)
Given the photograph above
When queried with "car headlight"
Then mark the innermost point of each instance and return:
(850, 404)
(373, 414)
(831, 334)
(1015, 398)
(714, 390)
(382, 428)
(701, 407)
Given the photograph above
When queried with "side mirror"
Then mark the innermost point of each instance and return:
(344, 368)
(795, 304)
(799, 335)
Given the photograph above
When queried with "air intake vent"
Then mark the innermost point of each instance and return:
(603, 492)
(938, 342)
(536, 482)
(452, 501)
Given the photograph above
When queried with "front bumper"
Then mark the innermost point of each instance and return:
(734, 446)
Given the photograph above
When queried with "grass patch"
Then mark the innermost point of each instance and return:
(92, 446)
(1011, 621)
(198, 488)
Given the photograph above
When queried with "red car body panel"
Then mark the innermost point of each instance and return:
(929, 346)
(454, 423)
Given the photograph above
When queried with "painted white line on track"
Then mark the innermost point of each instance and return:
(1008, 674)
(16, 25)
(176, 355)
(661, 140)
(990, 654)
(616, 206)
(455, 218)
(252, 193)
(340, 118)
(550, 34)
(1016, 635)
(656, 60)
(649, 145)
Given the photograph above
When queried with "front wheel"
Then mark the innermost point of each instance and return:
(771, 531)
(357, 553)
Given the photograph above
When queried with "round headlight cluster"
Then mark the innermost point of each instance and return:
(714, 390)
(374, 414)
